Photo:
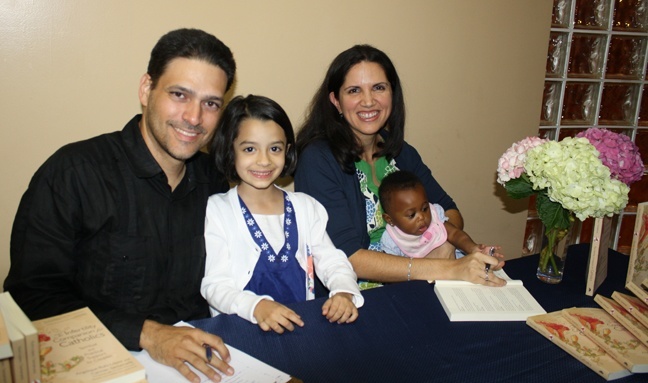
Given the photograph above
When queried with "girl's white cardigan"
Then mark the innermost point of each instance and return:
(232, 254)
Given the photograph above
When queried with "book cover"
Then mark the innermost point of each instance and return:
(18, 362)
(598, 258)
(638, 263)
(5, 345)
(555, 327)
(468, 302)
(611, 336)
(624, 317)
(633, 305)
(14, 314)
(77, 347)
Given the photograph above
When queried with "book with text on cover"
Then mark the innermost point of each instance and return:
(611, 336)
(77, 347)
(468, 302)
(555, 327)
(624, 317)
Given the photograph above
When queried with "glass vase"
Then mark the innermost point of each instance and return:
(553, 254)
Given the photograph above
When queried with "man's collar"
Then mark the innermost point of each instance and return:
(139, 156)
(142, 161)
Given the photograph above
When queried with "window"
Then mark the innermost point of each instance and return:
(596, 76)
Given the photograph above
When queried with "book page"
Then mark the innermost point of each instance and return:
(247, 369)
(498, 273)
(481, 303)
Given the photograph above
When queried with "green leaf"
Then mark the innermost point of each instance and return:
(519, 188)
(552, 214)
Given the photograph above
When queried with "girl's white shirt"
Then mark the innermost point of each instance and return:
(232, 254)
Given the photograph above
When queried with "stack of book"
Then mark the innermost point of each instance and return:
(71, 347)
(611, 340)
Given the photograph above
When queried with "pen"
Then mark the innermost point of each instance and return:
(490, 252)
(208, 352)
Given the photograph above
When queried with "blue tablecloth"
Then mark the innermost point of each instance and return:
(403, 335)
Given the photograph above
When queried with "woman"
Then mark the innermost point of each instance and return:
(354, 136)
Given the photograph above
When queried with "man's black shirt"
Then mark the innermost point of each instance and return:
(100, 227)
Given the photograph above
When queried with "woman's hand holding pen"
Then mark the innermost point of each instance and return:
(493, 251)
(472, 268)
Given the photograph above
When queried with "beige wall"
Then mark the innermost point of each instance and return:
(472, 72)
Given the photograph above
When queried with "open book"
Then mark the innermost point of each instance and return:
(469, 302)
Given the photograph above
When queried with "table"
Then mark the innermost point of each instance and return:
(403, 335)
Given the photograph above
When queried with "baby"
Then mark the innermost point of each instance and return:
(415, 227)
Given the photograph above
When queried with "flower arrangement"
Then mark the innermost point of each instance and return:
(585, 176)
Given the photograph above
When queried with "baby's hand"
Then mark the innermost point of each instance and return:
(274, 316)
(485, 249)
(340, 308)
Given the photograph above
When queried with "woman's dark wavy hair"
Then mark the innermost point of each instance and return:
(190, 44)
(323, 121)
(239, 109)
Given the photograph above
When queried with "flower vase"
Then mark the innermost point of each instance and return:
(553, 254)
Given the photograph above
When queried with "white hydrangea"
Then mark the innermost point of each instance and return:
(576, 178)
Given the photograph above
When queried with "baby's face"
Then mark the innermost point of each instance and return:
(410, 210)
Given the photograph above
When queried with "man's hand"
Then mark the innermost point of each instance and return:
(174, 346)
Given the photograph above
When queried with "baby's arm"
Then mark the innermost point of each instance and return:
(461, 240)
(340, 308)
(271, 315)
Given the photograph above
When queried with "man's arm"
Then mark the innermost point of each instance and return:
(41, 277)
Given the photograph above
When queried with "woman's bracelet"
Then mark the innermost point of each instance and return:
(409, 269)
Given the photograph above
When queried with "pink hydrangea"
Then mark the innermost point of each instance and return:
(617, 152)
(511, 164)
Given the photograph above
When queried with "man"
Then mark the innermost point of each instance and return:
(116, 222)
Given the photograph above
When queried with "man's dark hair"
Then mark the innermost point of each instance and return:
(190, 44)
(397, 181)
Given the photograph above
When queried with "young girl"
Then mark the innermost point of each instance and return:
(262, 241)
(415, 227)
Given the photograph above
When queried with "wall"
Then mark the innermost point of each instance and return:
(472, 73)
